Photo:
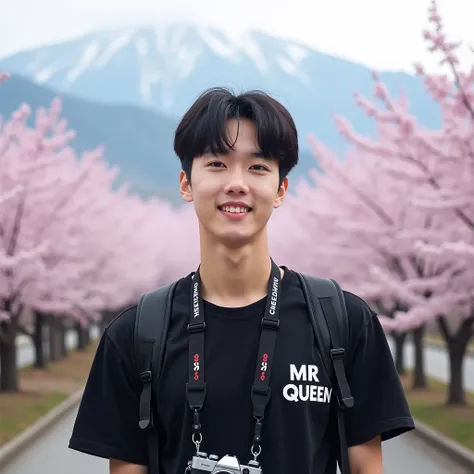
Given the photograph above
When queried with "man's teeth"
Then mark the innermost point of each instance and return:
(236, 210)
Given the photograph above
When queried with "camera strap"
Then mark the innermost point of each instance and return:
(261, 392)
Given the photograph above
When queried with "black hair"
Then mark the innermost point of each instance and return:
(203, 127)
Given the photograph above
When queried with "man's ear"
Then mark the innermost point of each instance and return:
(281, 193)
(185, 187)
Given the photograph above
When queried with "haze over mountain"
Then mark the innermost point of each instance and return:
(128, 87)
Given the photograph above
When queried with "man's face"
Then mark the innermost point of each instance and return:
(234, 194)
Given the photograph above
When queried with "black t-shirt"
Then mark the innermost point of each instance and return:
(299, 423)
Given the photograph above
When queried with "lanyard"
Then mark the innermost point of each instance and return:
(261, 392)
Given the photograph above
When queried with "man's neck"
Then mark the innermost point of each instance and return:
(235, 277)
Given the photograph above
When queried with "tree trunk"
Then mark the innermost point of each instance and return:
(81, 336)
(38, 340)
(54, 339)
(106, 319)
(63, 339)
(419, 379)
(456, 395)
(87, 334)
(8, 358)
(457, 345)
(400, 352)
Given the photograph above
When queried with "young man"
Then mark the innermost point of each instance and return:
(236, 153)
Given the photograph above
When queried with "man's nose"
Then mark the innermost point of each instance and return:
(236, 183)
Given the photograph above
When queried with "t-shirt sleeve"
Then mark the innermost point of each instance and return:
(107, 420)
(380, 406)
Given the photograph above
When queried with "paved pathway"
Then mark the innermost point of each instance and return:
(25, 349)
(406, 454)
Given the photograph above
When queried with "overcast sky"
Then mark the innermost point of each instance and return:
(384, 34)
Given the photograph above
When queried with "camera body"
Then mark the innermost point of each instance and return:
(202, 463)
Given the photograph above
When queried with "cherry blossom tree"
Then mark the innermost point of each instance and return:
(425, 248)
(432, 175)
(355, 218)
(71, 244)
(37, 179)
(179, 231)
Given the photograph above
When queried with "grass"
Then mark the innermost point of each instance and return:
(41, 390)
(429, 406)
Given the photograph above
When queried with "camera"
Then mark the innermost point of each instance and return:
(202, 463)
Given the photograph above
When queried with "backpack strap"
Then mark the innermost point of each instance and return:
(151, 328)
(330, 321)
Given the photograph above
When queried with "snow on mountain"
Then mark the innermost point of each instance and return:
(167, 66)
(161, 55)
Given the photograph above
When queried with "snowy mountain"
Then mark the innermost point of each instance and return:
(166, 66)
(155, 63)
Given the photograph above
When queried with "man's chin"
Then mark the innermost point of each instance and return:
(235, 239)
(231, 236)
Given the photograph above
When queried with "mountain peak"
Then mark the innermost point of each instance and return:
(166, 65)
(159, 57)
(163, 67)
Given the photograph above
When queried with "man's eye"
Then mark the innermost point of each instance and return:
(260, 167)
(215, 164)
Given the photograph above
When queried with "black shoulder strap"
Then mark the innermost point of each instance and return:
(151, 328)
(328, 313)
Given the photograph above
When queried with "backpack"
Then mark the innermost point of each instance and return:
(329, 318)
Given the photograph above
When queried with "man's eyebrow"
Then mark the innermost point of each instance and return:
(255, 154)
(228, 152)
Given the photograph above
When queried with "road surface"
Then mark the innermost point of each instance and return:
(406, 454)
(437, 365)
